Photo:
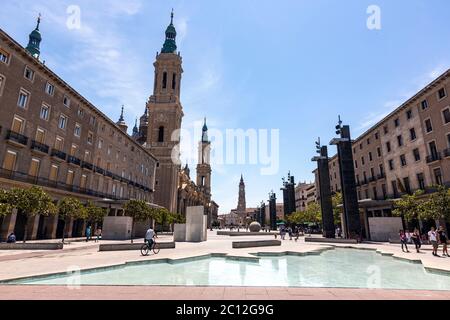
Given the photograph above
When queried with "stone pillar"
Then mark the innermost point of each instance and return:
(8, 225)
(50, 226)
(325, 194)
(33, 225)
(273, 211)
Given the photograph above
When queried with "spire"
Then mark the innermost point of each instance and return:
(170, 45)
(242, 178)
(122, 119)
(205, 133)
(135, 129)
(121, 123)
(35, 39)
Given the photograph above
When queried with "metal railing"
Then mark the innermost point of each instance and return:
(39, 147)
(16, 137)
(434, 157)
(74, 160)
(58, 154)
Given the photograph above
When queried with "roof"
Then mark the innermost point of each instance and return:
(20, 49)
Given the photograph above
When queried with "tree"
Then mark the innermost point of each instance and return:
(5, 208)
(31, 202)
(337, 202)
(95, 214)
(71, 208)
(312, 214)
(409, 207)
(139, 211)
(162, 216)
(437, 206)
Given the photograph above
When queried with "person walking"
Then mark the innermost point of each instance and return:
(416, 239)
(432, 236)
(403, 241)
(98, 234)
(443, 238)
(88, 233)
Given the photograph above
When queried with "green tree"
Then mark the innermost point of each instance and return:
(437, 206)
(312, 214)
(139, 211)
(162, 216)
(409, 207)
(70, 208)
(337, 201)
(31, 202)
(95, 214)
(5, 208)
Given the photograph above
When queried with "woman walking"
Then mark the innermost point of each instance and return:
(416, 239)
(404, 241)
(443, 238)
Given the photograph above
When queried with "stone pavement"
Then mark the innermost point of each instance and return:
(20, 264)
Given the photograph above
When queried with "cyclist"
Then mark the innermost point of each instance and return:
(149, 236)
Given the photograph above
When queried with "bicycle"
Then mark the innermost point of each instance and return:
(145, 250)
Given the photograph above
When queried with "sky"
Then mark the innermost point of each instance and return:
(291, 66)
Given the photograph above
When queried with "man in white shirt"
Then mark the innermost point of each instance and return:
(432, 236)
(149, 235)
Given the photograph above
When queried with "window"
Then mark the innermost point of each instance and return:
(386, 129)
(391, 164)
(2, 82)
(45, 112)
(421, 181)
(161, 134)
(4, 57)
(370, 156)
(66, 102)
(92, 120)
(50, 89)
(9, 163)
(397, 122)
(34, 167)
(442, 94)
(28, 73)
(400, 141)
(379, 152)
(77, 130)
(375, 193)
(424, 104)
(53, 173)
(70, 175)
(362, 160)
(356, 164)
(59, 143)
(109, 150)
(388, 146)
(412, 134)
(446, 115)
(408, 114)
(437, 176)
(394, 188)
(18, 125)
(174, 81)
(403, 160)
(62, 123)
(80, 113)
(73, 150)
(416, 154)
(377, 135)
(164, 80)
(407, 185)
(87, 156)
(83, 181)
(372, 172)
(100, 143)
(448, 140)
(433, 150)
(40, 135)
(23, 99)
(90, 138)
(366, 193)
(360, 146)
(381, 170)
(428, 126)
(383, 189)
(368, 141)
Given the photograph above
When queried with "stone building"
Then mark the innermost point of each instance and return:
(406, 151)
(51, 136)
(301, 196)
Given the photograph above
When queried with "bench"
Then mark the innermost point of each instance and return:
(31, 246)
(133, 246)
(255, 244)
(331, 240)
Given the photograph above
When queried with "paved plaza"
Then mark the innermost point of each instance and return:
(20, 264)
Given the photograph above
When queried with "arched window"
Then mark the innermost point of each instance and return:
(161, 134)
(174, 81)
(164, 80)
(156, 81)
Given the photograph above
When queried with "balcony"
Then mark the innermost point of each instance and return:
(37, 146)
(109, 174)
(372, 179)
(99, 170)
(434, 157)
(58, 154)
(447, 153)
(74, 161)
(16, 138)
(381, 176)
(87, 165)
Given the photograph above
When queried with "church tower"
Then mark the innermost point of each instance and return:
(242, 207)
(165, 114)
(34, 43)
(204, 163)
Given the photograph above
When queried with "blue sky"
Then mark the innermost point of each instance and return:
(250, 64)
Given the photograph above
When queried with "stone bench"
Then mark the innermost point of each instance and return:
(32, 246)
(255, 244)
(245, 234)
(133, 246)
(330, 240)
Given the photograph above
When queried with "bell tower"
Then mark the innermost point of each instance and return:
(35, 39)
(204, 163)
(165, 114)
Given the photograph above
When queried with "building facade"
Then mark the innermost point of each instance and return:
(51, 136)
(301, 196)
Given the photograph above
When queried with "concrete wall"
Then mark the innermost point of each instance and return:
(117, 228)
(383, 229)
(196, 224)
(179, 233)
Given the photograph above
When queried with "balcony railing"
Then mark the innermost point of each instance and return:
(73, 160)
(58, 154)
(109, 174)
(434, 157)
(447, 153)
(87, 165)
(381, 176)
(99, 170)
(17, 137)
(39, 147)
